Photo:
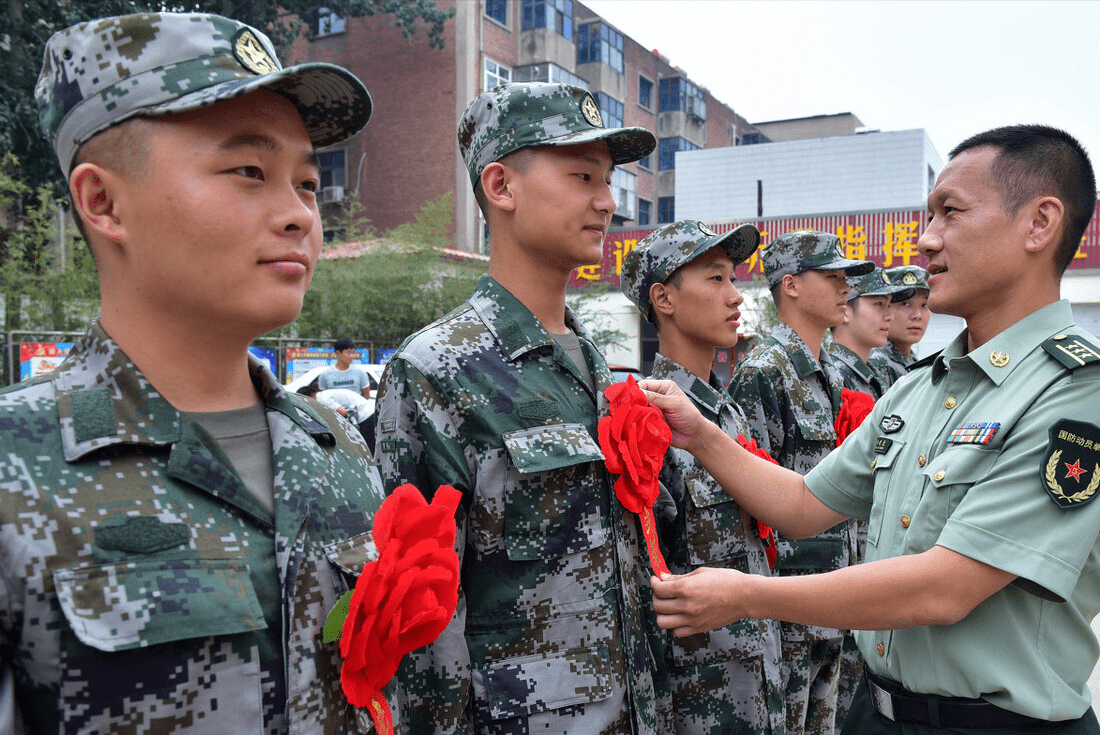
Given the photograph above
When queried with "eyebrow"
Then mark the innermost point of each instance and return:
(265, 142)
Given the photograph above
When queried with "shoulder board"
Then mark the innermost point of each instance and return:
(925, 361)
(1072, 350)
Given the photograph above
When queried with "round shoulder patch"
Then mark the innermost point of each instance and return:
(251, 53)
(591, 111)
(1071, 464)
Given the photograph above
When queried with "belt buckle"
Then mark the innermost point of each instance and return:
(882, 700)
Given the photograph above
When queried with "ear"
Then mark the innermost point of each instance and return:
(496, 180)
(789, 286)
(659, 298)
(1047, 224)
(94, 190)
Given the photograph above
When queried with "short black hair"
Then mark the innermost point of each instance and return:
(344, 344)
(1038, 160)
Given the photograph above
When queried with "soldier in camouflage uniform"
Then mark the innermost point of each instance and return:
(910, 320)
(174, 526)
(790, 390)
(681, 278)
(866, 327)
(500, 399)
(868, 323)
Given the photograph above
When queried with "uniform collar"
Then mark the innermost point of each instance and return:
(797, 350)
(844, 354)
(710, 395)
(1000, 356)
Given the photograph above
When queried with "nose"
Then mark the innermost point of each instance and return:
(604, 201)
(735, 297)
(296, 210)
(929, 240)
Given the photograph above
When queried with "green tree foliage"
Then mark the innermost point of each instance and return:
(28, 24)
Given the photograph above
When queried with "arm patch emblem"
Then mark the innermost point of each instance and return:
(1071, 465)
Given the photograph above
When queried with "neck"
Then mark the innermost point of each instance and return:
(811, 333)
(193, 369)
(696, 357)
(984, 326)
(864, 352)
(903, 347)
(538, 286)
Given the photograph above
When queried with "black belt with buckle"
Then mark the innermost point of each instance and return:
(900, 705)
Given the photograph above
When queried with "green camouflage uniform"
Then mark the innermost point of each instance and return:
(143, 588)
(549, 632)
(791, 401)
(726, 680)
(889, 364)
(854, 372)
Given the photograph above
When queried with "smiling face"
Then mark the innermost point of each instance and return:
(563, 204)
(704, 300)
(221, 226)
(975, 249)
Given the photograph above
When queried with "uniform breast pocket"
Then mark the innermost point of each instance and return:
(883, 469)
(556, 502)
(349, 556)
(951, 475)
(714, 525)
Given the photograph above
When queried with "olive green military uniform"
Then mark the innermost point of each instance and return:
(143, 588)
(726, 680)
(994, 454)
(549, 633)
(791, 401)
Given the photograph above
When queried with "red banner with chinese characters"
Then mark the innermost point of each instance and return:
(886, 238)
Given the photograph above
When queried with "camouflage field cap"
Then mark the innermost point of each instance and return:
(878, 283)
(673, 246)
(99, 73)
(909, 275)
(514, 116)
(806, 250)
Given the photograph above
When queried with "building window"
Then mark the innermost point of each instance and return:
(557, 15)
(647, 162)
(645, 211)
(329, 23)
(333, 168)
(600, 42)
(497, 10)
(679, 95)
(611, 110)
(667, 150)
(645, 93)
(666, 210)
(547, 72)
(496, 74)
(623, 188)
(754, 139)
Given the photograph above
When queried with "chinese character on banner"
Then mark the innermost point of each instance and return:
(853, 241)
(1081, 249)
(589, 272)
(621, 248)
(900, 243)
(754, 264)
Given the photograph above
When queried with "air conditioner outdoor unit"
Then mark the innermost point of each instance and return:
(331, 194)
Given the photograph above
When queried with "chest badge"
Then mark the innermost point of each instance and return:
(998, 359)
(1071, 464)
(891, 423)
(974, 432)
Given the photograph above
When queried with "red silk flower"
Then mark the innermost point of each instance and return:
(767, 533)
(634, 438)
(855, 405)
(404, 599)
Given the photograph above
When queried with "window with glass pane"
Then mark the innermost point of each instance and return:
(329, 23)
(645, 93)
(666, 210)
(557, 15)
(496, 74)
(647, 162)
(623, 188)
(611, 110)
(547, 72)
(333, 168)
(645, 211)
(667, 151)
(600, 42)
(497, 10)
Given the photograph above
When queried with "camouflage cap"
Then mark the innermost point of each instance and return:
(102, 72)
(909, 275)
(673, 246)
(514, 116)
(877, 283)
(806, 250)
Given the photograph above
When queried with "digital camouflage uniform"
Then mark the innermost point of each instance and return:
(889, 364)
(548, 635)
(143, 587)
(854, 372)
(726, 680)
(790, 401)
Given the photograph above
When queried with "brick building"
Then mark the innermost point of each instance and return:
(407, 156)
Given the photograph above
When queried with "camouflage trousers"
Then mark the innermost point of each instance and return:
(811, 671)
(851, 672)
(733, 697)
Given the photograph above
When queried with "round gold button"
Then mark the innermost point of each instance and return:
(939, 475)
(950, 402)
(881, 649)
(905, 521)
(874, 463)
(922, 461)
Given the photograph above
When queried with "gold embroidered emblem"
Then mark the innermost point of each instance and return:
(1051, 477)
(998, 359)
(591, 112)
(252, 54)
(909, 279)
